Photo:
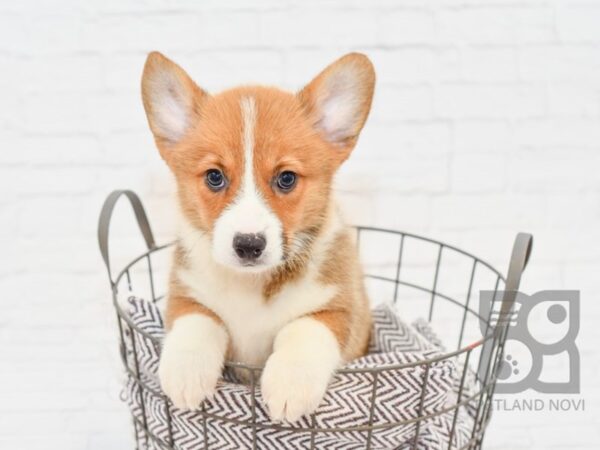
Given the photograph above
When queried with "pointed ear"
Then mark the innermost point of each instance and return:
(338, 100)
(171, 100)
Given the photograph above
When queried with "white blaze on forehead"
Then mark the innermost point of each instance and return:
(249, 212)
(248, 106)
(249, 201)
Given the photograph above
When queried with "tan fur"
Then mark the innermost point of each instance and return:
(287, 137)
(347, 315)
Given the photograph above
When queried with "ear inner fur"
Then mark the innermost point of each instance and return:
(356, 96)
(167, 86)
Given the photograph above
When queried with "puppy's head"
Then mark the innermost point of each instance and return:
(254, 165)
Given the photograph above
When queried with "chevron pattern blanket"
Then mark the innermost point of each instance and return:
(346, 405)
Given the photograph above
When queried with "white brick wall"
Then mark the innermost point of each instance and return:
(486, 121)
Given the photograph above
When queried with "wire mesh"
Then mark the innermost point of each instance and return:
(394, 274)
(480, 400)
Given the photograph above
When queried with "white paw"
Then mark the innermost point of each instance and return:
(190, 365)
(292, 388)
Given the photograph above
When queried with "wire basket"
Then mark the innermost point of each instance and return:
(439, 280)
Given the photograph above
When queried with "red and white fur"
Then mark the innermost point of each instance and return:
(300, 307)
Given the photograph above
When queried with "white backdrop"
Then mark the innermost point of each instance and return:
(485, 122)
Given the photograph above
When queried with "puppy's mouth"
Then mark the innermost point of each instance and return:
(253, 267)
(250, 264)
(256, 264)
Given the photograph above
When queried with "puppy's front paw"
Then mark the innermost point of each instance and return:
(188, 377)
(292, 388)
(189, 367)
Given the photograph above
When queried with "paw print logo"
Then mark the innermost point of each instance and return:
(544, 326)
(508, 367)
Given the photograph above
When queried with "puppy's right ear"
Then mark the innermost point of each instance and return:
(171, 100)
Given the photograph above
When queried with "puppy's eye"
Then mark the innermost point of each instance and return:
(286, 181)
(215, 179)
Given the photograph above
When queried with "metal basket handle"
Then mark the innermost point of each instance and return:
(518, 262)
(104, 223)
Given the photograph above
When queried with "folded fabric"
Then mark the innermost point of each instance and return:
(401, 395)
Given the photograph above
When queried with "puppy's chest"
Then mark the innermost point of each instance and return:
(251, 320)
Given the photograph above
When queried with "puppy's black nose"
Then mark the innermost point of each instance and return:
(249, 246)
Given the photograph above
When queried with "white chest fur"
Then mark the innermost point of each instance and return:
(251, 321)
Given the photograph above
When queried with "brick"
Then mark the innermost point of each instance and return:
(12, 65)
(123, 71)
(554, 133)
(64, 441)
(59, 255)
(580, 435)
(490, 64)
(568, 209)
(394, 104)
(582, 276)
(81, 73)
(406, 27)
(165, 32)
(62, 180)
(473, 211)
(479, 24)
(61, 217)
(124, 177)
(9, 266)
(115, 112)
(490, 101)
(42, 286)
(53, 112)
(404, 66)
(298, 72)
(535, 23)
(403, 141)
(12, 114)
(561, 172)
(412, 65)
(231, 29)
(483, 136)
(55, 34)
(218, 70)
(580, 247)
(18, 423)
(559, 62)
(101, 441)
(308, 27)
(402, 212)
(578, 22)
(128, 148)
(54, 151)
(420, 174)
(478, 172)
(574, 99)
(8, 219)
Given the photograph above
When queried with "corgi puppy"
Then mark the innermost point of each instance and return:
(264, 272)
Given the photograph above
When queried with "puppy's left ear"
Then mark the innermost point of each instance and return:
(338, 100)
